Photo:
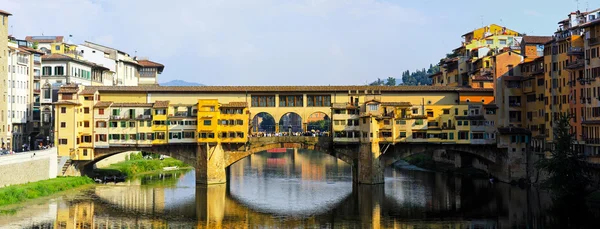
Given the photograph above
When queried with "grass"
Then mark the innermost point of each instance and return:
(137, 165)
(18, 193)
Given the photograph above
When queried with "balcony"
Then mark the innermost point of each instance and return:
(575, 51)
(181, 114)
(579, 63)
(144, 117)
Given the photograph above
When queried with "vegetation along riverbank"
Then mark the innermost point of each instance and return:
(22, 192)
(140, 163)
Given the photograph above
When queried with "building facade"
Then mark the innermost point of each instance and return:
(4, 122)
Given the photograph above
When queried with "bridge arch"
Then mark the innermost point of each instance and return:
(260, 144)
(291, 121)
(484, 156)
(263, 122)
(318, 121)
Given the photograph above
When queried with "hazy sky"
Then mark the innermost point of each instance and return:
(282, 42)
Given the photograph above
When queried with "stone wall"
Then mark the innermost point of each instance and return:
(113, 159)
(28, 167)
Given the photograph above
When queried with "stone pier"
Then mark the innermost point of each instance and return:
(370, 167)
(210, 164)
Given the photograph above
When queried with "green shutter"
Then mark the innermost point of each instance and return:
(451, 135)
(110, 137)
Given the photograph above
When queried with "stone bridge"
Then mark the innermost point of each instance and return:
(368, 160)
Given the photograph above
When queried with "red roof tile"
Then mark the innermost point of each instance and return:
(161, 104)
(46, 39)
(103, 104)
(536, 39)
(132, 105)
(151, 64)
(235, 104)
(209, 89)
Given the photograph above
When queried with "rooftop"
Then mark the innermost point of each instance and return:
(366, 89)
(45, 39)
(536, 39)
(5, 13)
(151, 64)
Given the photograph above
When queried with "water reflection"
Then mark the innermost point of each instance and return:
(294, 189)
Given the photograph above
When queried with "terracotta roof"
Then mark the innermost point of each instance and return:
(132, 105)
(536, 39)
(207, 89)
(343, 106)
(62, 57)
(151, 64)
(88, 91)
(5, 13)
(588, 24)
(55, 56)
(45, 39)
(66, 103)
(513, 130)
(161, 104)
(408, 104)
(23, 50)
(103, 104)
(235, 104)
(31, 50)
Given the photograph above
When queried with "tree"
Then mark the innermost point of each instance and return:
(568, 176)
(321, 125)
(267, 124)
(35, 45)
(391, 81)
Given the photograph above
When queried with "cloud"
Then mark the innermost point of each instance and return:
(240, 42)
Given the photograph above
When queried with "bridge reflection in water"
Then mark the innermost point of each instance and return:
(301, 189)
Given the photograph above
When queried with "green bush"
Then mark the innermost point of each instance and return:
(17, 193)
(133, 167)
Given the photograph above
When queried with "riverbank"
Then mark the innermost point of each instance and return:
(138, 165)
(22, 192)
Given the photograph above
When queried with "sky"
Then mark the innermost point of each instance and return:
(282, 42)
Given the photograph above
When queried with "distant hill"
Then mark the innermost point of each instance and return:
(180, 83)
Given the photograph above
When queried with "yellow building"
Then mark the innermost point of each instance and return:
(100, 117)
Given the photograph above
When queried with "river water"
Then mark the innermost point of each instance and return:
(290, 190)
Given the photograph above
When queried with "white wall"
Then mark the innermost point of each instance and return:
(26, 167)
(97, 56)
(17, 95)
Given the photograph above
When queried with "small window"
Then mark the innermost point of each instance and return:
(207, 122)
(63, 110)
(101, 111)
(86, 110)
(63, 124)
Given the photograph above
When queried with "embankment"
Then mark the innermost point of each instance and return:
(27, 167)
